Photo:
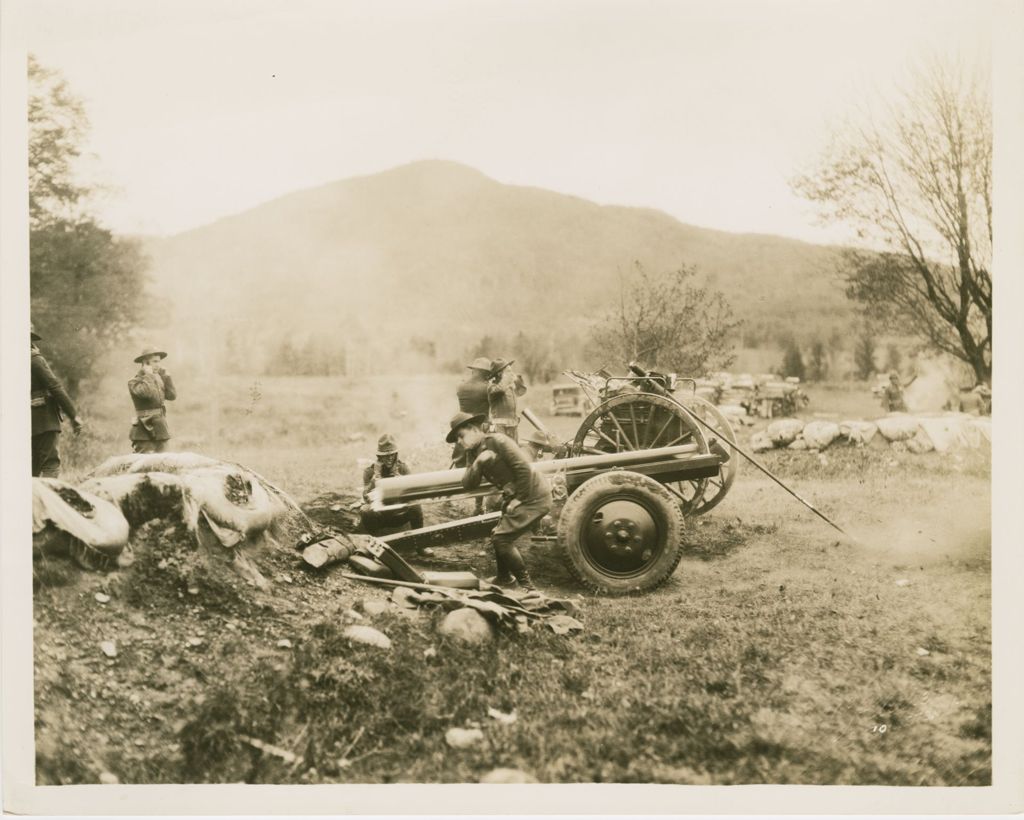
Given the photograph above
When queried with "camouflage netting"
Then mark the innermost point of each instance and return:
(69, 521)
(223, 506)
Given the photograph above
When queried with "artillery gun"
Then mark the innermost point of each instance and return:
(641, 461)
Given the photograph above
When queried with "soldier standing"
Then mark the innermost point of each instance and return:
(387, 465)
(503, 388)
(472, 396)
(892, 396)
(50, 403)
(526, 495)
(149, 389)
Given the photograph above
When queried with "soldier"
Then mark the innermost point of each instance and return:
(149, 389)
(892, 396)
(526, 495)
(387, 465)
(503, 388)
(50, 403)
(536, 446)
(472, 396)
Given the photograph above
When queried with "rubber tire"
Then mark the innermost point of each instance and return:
(579, 509)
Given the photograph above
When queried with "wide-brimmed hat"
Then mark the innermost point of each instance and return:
(150, 351)
(538, 438)
(481, 363)
(32, 332)
(500, 364)
(386, 445)
(894, 375)
(460, 420)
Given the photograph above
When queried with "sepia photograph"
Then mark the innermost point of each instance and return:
(505, 393)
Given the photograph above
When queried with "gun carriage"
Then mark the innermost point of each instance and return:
(640, 462)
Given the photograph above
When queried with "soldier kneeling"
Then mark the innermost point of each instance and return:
(387, 465)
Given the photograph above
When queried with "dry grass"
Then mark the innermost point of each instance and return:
(780, 652)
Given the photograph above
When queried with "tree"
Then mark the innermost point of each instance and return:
(665, 322)
(85, 284)
(917, 183)
(817, 368)
(864, 351)
(793, 361)
(893, 357)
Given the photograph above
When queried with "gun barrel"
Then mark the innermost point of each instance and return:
(665, 463)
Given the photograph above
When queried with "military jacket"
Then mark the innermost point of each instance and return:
(501, 398)
(472, 395)
(50, 401)
(149, 391)
(894, 399)
(378, 471)
(509, 471)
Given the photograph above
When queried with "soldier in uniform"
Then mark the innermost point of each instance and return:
(892, 396)
(50, 403)
(536, 446)
(149, 389)
(503, 388)
(526, 495)
(387, 465)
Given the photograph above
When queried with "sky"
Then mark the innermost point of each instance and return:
(705, 110)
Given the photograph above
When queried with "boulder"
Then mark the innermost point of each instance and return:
(920, 443)
(466, 626)
(784, 431)
(897, 426)
(463, 738)
(820, 434)
(357, 633)
(858, 432)
(759, 442)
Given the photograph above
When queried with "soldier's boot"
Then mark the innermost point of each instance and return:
(504, 578)
(517, 567)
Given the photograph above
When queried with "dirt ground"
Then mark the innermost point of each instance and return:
(779, 652)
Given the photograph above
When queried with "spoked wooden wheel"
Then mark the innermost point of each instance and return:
(717, 487)
(644, 421)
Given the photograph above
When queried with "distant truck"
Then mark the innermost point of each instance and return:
(568, 399)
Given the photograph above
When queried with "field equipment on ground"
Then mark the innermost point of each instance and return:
(640, 461)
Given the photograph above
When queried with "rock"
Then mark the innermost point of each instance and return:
(284, 643)
(504, 718)
(373, 607)
(759, 442)
(797, 444)
(335, 508)
(903, 582)
(109, 779)
(897, 427)
(352, 615)
(109, 649)
(194, 642)
(367, 635)
(193, 590)
(920, 443)
(102, 598)
(466, 626)
(429, 652)
(783, 431)
(820, 434)
(922, 652)
(508, 776)
(858, 432)
(463, 738)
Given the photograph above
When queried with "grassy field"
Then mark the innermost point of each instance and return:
(779, 652)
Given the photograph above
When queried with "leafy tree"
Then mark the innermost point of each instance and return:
(817, 367)
(666, 322)
(85, 283)
(793, 361)
(864, 351)
(917, 182)
(535, 357)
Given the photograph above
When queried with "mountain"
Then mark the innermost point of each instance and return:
(440, 251)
